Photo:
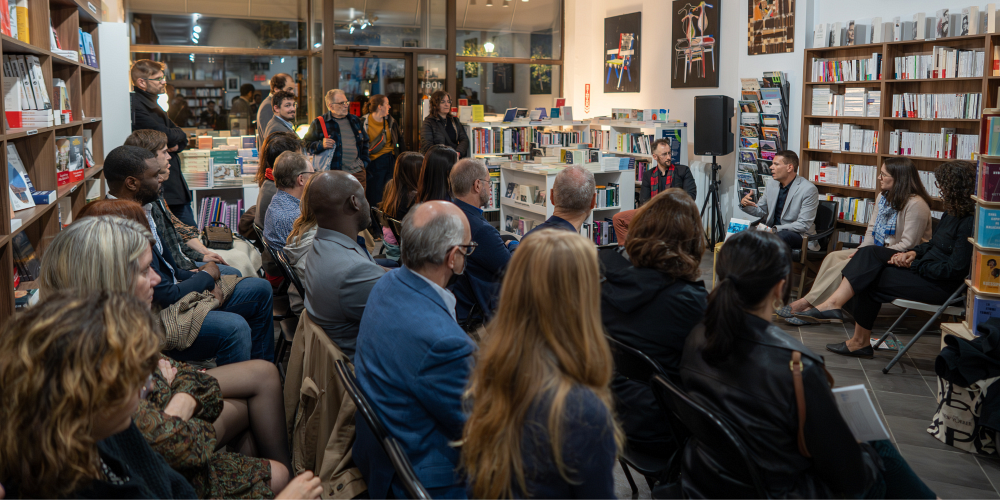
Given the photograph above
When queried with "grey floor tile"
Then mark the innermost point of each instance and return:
(896, 382)
(913, 431)
(834, 361)
(843, 377)
(622, 488)
(905, 405)
(950, 467)
(991, 466)
(946, 491)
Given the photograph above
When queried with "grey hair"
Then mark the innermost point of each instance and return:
(428, 244)
(574, 188)
(328, 98)
(288, 167)
(464, 175)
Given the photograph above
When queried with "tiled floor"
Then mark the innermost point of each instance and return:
(905, 398)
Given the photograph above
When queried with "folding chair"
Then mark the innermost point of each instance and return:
(949, 307)
(288, 334)
(282, 291)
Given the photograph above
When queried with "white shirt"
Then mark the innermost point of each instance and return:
(448, 297)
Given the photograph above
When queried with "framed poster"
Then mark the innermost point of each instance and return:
(771, 27)
(503, 78)
(622, 55)
(695, 62)
(233, 83)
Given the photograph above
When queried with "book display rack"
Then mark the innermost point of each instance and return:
(763, 130)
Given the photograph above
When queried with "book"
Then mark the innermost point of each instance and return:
(979, 310)
(28, 265)
(478, 113)
(943, 19)
(508, 115)
(62, 160)
(877, 30)
(737, 226)
(819, 36)
(5, 18)
(38, 82)
(986, 271)
(988, 227)
(20, 193)
(991, 18)
(859, 413)
(21, 14)
(988, 185)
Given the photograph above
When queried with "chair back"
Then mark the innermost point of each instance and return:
(730, 454)
(364, 408)
(404, 469)
(383, 221)
(636, 365)
(397, 229)
(826, 217)
(290, 272)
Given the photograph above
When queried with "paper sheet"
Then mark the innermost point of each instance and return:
(859, 412)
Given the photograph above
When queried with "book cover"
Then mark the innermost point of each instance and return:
(988, 229)
(982, 309)
(509, 115)
(20, 194)
(819, 36)
(25, 259)
(510, 190)
(21, 10)
(478, 113)
(986, 277)
(38, 82)
(14, 161)
(62, 161)
(942, 30)
(75, 160)
(988, 188)
(5, 18)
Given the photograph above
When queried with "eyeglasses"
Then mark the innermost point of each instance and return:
(468, 249)
(341, 103)
(883, 175)
(160, 79)
(147, 387)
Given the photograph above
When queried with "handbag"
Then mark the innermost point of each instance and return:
(217, 236)
(800, 397)
(324, 159)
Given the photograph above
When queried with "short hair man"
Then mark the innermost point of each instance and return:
(241, 106)
(148, 82)
(664, 176)
(284, 113)
(573, 196)
(291, 172)
(279, 82)
(414, 372)
(789, 203)
(341, 273)
(344, 132)
(208, 117)
(241, 327)
(478, 287)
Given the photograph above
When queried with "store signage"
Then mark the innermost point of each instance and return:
(586, 98)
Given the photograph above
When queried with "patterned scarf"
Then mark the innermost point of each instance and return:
(655, 180)
(269, 174)
(885, 222)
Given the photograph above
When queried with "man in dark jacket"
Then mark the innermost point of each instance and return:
(666, 175)
(149, 81)
(351, 153)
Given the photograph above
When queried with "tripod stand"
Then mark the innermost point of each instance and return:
(716, 230)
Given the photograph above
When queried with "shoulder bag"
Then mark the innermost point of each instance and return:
(800, 397)
(324, 159)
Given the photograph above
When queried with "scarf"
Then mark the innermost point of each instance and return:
(655, 181)
(269, 174)
(885, 222)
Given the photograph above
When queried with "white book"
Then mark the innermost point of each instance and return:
(12, 95)
(991, 18)
(897, 29)
(38, 82)
(22, 73)
(876, 30)
(820, 38)
(919, 19)
(943, 19)
(859, 413)
(835, 34)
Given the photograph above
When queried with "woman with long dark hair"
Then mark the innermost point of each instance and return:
(434, 174)
(440, 127)
(737, 364)
(400, 194)
(929, 273)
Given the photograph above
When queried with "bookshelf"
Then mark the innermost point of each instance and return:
(37, 146)
(199, 92)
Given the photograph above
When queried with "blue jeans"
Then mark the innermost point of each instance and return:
(223, 269)
(240, 330)
(184, 213)
(379, 172)
(897, 479)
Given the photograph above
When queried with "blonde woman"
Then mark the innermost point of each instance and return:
(541, 423)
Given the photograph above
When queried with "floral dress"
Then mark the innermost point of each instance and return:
(189, 447)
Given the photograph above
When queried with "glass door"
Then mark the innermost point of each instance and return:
(363, 75)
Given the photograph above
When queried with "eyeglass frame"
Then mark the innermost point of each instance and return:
(161, 79)
(472, 245)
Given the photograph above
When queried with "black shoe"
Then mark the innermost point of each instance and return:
(865, 352)
(815, 316)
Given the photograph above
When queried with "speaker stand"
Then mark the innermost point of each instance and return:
(716, 231)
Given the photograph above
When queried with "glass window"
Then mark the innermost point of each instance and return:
(391, 23)
(200, 30)
(521, 29)
(498, 86)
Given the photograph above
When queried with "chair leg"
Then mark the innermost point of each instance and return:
(889, 331)
(631, 482)
(923, 329)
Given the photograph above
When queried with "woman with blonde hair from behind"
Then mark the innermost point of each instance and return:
(541, 423)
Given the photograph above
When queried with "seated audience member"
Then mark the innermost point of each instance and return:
(666, 175)
(270, 150)
(541, 424)
(400, 194)
(241, 328)
(414, 372)
(341, 273)
(300, 240)
(479, 284)
(790, 201)
(433, 182)
(737, 365)
(903, 221)
(651, 299)
(929, 273)
(291, 172)
(573, 196)
(184, 241)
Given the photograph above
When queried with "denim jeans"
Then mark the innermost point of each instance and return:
(184, 213)
(224, 269)
(897, 479)
(240, 330)
(379, 173)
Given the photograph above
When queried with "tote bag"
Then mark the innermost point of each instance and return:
(324, 159)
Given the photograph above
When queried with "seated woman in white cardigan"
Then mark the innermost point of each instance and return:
(902, 221)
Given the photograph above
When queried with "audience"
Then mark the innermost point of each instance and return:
(343, 132)
(270, 150)
(400, 194)
(573, 196)
(341, 273)
(902, 221)
(737, 365)
(291, 172)
(651, 299)
(665, 175)
(433, 182)
(792, 200)
(279, 82)
(476, 289)
(414, 372)
(929, 273)
(300, 240)
(541, 424)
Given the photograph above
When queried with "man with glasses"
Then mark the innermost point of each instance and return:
(666, 175)
(342, 132)
(291, 171)
(148, 82)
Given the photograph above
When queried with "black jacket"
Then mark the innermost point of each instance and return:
(654, 313)
(753, 391)
(433, 132)
(682, 179)
(166, 293)
(146, 114)
(948, 255)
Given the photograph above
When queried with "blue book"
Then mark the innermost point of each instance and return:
(982, 310)
(988, 232)
(43, 197)
(543, 115)
(508, 116)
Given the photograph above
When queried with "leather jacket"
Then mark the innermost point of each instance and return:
(753, 391)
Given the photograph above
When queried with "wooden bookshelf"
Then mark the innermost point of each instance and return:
(36, 146)
(884, 124)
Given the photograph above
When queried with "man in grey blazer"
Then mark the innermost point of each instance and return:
(284, 113)
(790, 202)
(340, 273)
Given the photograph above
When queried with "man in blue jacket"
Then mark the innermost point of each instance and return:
(241, 328)
(412, 359)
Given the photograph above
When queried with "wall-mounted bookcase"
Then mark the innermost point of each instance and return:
(36, 147)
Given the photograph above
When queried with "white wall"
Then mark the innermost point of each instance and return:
(114, 60)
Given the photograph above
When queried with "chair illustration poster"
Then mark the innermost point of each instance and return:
(621, 52)
(696, 35)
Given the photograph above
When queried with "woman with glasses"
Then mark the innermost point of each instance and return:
(901, 222)
(342, 132)
(440, 127)
(928, 273)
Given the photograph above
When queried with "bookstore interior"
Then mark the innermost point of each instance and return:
(805, 129)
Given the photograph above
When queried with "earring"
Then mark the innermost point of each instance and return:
(777, 304)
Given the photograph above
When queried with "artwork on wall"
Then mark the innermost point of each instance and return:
(541, 74)
(771, 27)
(233, 83)
(696, 36)
(503, 78)
(622, 53)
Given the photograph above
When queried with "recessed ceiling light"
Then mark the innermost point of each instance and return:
(197, 29)
(506, 3)
(489, 3)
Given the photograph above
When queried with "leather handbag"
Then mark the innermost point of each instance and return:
(217, 236)
(800, 397)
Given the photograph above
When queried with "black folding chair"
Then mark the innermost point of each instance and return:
(282, 291)
(951, 306)
(634, 364)
(710, 432)
(288, 334)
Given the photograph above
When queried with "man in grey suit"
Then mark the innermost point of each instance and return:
(284, 113)
(794, 200)
(341, 273)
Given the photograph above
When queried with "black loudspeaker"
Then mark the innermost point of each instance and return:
(713, 130)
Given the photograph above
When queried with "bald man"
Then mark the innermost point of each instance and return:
(344, 133)
(279, 82)
(573, 196)
(340, 272)
(413, 360)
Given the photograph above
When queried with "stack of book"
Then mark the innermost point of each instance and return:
(519, 225)
(842, 137)
(87, 54)
(601, 232)
(500, 140)
(850, 208)
(69, 159)
(843, 174)
(942, 62)
(961, 106)
(930, 183)
(607, 195)
(943, 144)
(983, 299)
(847, 70)
(555, 138)
(26, 98)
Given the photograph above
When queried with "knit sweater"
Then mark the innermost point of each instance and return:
(913, 226)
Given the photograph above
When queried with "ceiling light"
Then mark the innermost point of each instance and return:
(351, 29)
(195, 36)
(197, 29)
(282, 60)
(489, 3)
(195, 16)
(316, 45)
(488, 46)
(364, 25)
